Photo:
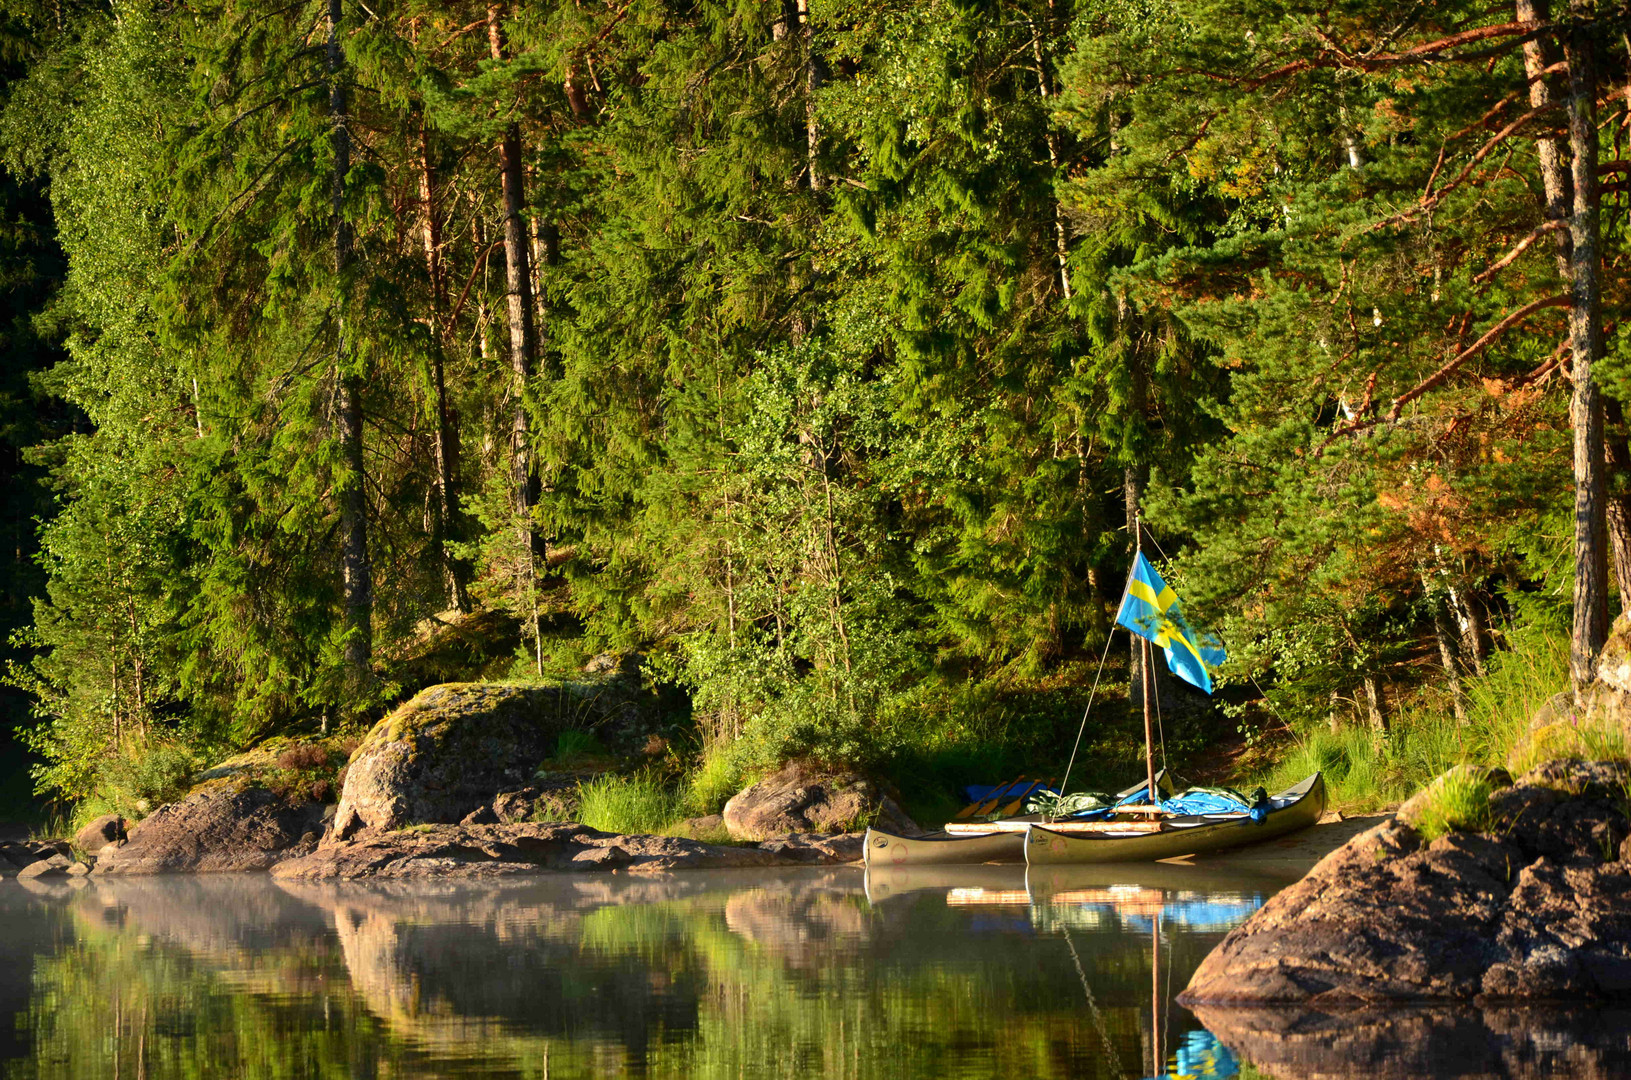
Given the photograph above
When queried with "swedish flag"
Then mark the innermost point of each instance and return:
(1150, 609)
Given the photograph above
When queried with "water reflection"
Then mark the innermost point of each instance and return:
(817, 973)
(1404, 1043)
(933, 972)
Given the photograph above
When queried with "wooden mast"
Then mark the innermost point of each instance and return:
(1144, 673)
(1158, 1059)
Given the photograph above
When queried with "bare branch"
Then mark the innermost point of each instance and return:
(1518, 249)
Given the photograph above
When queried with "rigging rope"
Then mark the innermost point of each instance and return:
(1098, 1020)
(1108, 638)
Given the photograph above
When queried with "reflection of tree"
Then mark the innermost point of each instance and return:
(696, 976)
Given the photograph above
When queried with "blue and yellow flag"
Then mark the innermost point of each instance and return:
(1150, 609)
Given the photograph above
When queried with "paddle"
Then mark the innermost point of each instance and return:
(985, 807)
(1014, 807)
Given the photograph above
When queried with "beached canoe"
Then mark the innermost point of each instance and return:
(938, 849)
(971, 842)
(1295, 808)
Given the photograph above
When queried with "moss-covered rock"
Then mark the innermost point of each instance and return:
(453, 748)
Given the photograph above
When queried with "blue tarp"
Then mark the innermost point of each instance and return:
(1201, 801)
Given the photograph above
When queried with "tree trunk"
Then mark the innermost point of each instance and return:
(1586, 346)
(814, 76)
(1553, 177)
(356, 571)
(1474, 637)
(1446, 653)
(1618, 509)
(794, 22)
(446, 446)
(1060, 247)
(1376, 703)
(523, 340)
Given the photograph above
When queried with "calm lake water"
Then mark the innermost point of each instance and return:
(959, 972)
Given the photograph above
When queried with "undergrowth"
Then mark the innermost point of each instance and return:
(1459, 802)
(1368, 771)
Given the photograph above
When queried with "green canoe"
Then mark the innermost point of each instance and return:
(1004, 843)
(1295, 808)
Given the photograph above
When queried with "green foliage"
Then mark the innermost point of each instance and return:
(1367, 772)
(145, 777)
(717, 776)
(638, 803)
(576, 743)
(853, 344)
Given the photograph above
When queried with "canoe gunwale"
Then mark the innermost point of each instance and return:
(1044, 847)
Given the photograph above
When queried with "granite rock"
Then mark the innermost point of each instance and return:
(802, 799)
(1537, 909)
(219, 827)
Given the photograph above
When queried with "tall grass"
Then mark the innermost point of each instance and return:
(640, 803)
(1366, 771)
(716, 778)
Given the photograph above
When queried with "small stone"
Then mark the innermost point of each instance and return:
(77, 869)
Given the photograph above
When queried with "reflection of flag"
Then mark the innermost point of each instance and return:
(1150, 609)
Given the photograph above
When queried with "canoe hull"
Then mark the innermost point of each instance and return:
(888, 849)
(1044, 847)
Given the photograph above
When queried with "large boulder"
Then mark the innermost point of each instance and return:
(804, 799)
(453, 748)
(1536, 908)
(221, 826)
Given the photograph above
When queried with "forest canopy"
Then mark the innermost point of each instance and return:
(819, 353)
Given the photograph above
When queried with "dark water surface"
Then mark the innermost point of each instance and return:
(959, 972)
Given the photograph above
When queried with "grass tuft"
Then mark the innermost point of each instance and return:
(716, 778)
(1458, 802)
(640, 803)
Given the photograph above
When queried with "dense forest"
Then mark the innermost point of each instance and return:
(818, 353)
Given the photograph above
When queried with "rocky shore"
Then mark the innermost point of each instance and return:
(1534, 906)
(449, 785)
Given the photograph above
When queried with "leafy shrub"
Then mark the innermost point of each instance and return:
(640, 803)
(305, 772)
(302, 757)
(146, 776)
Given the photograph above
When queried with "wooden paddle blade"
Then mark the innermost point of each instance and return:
(1014, 807)
(973, 808)
(990, 806)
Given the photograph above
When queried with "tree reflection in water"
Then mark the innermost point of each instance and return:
(982, 973)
